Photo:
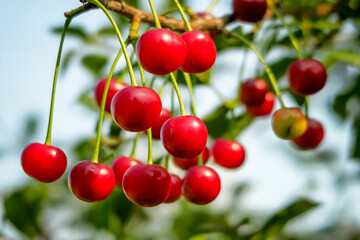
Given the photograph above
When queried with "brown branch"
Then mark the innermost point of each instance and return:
(120, 7)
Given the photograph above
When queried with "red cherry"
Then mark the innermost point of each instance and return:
(249, 10)
(252, 92)
(201, 52)
(184, 137)
(155, 129)
(201, 185)
(114, 87)
(147, 185)
(161, 51)
(306, 76)
(120, 165)
(188, 163)
(136, 109)
(175, 192)
(312, 136)
(265, 108)
(206, 16)
(43, 162)
(227, 153)
(91, 182)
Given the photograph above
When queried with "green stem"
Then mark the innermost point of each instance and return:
(292, 37)
(150, 158)
(118, 33)
(49, 129)
(167, 157)
(152, 81)
(268, 70)
(156, 18)
(307, 106)
(142, 76)
(192, 97)
(133, 151)
(181, 10)
(172, 102)
(162, 89)
(211, 6)
(95, 158)
(120, 78)
(200, 160)
(176, 87)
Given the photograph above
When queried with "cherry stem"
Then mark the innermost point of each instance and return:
(95, 158)
(133, 151)
(150, 158)
(182, 13)
(268, 70)
(118, 33)
(307, 106)
(162, 89)
(211, 6)
(167, 157)
(192, 97)
(200, 160)
(49, 129)
(156, 18)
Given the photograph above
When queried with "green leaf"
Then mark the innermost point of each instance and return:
(67, 58)
(88, 100)
(94, 63)
(107, 31)
(345, 56)
(216, 122)
(75, 31)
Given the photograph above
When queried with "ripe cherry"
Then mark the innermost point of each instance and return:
(201, 52)
(252, 92)
(188, 163)
(156, 128)
(249, 10)
(120, 165)
(289, 123)
(312, 136)
(136, 109)
(161, 51)
(207, 16)
(201, 185)
(306, 76)
(175, 192)
(184, 137)
(91, 182)
(44, 163)
(227, 153)
(265, 108)
(147, 185)
(114, 87)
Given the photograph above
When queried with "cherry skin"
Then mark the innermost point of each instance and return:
(207, 16)
(114, 87)
(249, 10)
(43, 162)
(265, 108)
(289, 123)
(252, 92)
(312, 136)
(201, 185)
(184, 136)
(201, 52)
(91, 182)
(161, 51)
(136, 109)
(188, 163)
(156, 128)
(227, 153)
(306, 76)
(147, 185)
(175, 192)
(120, 165)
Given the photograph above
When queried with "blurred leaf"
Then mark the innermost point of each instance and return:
(280, 67)
(75, 31)
(88, 100)
(356, 141)
(107, 31)
(83, 150)
(216, 122)
(94, 63)
(67, 58)
(238, 124)
(345, 56)
(115, 130)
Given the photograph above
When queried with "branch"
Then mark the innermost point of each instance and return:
(120, 7)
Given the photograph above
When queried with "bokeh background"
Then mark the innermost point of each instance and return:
(279, 193)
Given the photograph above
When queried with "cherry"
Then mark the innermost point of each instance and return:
(155, 129)
(91, 182)
(288, 123)
(114, 87)
(188, 163)
(249, 10)
(184, 137)
(306, 76)
(201, 52)
(120, 165)
(175, 192)
(201, 185)
(312, 136)
(252, 92)
(42, 162)
(161, 51)
(147, 185)
(227, 153)
(208, 16)
(136, 109)
(265, 108)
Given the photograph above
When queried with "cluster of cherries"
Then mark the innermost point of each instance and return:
(136, 109)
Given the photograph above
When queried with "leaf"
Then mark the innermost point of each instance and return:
(345, 56)
(88, 100)
(216, 122)
(94, 63)
(75, 31)
(67, 58)
(238, 125)
(107, 31)
(356, 141)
